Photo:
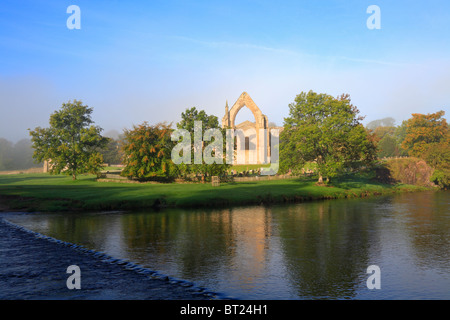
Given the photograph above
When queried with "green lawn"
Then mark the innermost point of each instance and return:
(44, 192)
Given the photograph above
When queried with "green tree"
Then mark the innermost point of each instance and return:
(327, 131)
(71, 143)
(191, 115)
(147, 152)
(437, 155)
(187, 122)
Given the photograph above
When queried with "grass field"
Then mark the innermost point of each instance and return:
(44, 192)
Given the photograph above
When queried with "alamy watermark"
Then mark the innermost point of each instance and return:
(74, 20)
(252, 147)
(74, 281)
(374, 280)
(374, 21)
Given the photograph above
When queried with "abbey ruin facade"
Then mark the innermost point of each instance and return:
(253, 139)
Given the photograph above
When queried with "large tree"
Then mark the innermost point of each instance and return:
(188, 119)
(71, 144)
(147, 152)
(327, 131)
(424, 130)
(428, 137)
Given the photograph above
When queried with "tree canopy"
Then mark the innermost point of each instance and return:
(71, 144)
(191, 115)
(423, 131)
(327, 131)
(147, 152)
(188, 119)
(427, 136)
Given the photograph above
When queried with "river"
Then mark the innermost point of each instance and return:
(314, 250)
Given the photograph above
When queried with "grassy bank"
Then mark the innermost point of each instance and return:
(43, 192)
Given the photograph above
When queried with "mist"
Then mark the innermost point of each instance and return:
(28, 101)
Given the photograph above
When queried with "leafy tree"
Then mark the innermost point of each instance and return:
(437, 155)
(428, 137)
(423, 130)
(441, 177)
(325, 130)
(191, 115)
(188, 119)
(71, 143)
(147, 152)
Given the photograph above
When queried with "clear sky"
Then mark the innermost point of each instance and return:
(135, 61)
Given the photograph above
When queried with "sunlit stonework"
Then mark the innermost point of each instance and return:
(257, 149)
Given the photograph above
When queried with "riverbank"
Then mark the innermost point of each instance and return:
(44, 192)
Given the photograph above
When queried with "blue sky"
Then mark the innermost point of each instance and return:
(135, 61)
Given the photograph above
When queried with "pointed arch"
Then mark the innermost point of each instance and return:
(261, 122)
(244, 100)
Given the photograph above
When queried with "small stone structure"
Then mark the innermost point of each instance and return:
(215, 181)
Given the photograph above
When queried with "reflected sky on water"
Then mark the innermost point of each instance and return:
(316, 250)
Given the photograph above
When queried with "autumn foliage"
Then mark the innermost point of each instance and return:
(423, 131)
(147, 152)
(428, 137)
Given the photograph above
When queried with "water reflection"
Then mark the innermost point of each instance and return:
(303, 251)
(326, 248)
(428, 228)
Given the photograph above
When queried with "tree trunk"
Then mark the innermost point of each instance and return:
(74, 177)
(320, 178)
(319, 163)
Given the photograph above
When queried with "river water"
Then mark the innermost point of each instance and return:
(315, 250)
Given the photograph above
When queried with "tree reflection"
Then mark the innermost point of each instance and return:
(308, 251)
(326, 247)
